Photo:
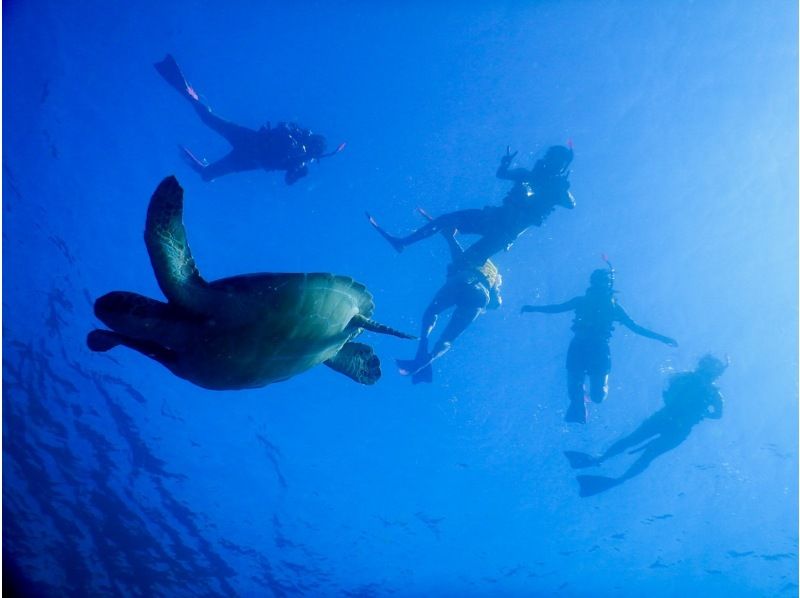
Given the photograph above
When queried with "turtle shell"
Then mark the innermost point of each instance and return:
(262, 328)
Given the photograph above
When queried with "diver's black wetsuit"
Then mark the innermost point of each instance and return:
(589, 354)
(284, 147)
(535, 194)
(470, 291)
(689, 398)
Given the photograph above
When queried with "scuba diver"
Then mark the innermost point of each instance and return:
(589, 353)
(470, 290)
(689, 398)
(535, 194)
(285, 147)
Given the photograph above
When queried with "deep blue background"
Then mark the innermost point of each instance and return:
(120, 477)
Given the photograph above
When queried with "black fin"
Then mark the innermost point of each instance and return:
(420, 370)
(580, 460)
(595, 484)
(424, 375)
(169, 69)
(393, 241)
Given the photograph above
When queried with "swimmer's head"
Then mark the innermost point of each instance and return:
(712, 367)
(556, 160)
(602, 279)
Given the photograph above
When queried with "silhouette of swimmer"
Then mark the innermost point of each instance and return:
(589, 353)
(535, 194)
(471, 291)
(689, 398)
(286, 146)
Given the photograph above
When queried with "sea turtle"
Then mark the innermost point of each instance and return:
(241, 332)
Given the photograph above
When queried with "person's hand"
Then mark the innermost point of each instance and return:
(525, 309)
(670, 341)
(509, 156)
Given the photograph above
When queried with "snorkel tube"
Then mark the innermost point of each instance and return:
(334, 152)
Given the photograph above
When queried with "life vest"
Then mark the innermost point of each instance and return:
(595, 316)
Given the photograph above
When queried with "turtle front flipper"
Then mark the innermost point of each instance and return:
(358, 362)
(168, 247)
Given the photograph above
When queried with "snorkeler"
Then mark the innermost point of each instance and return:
(285, 147)
(589, 353)
(689, 398)
(470, 290)
(535, 194)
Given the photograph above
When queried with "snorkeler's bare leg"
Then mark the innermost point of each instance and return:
(484, 248)
(468, 222)
(598, 387)
(444, 299)
(460, 320)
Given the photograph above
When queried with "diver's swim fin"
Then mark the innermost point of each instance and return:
(577, 413)
(420, 370)
(199, 165)
(423, 375)
(580, 460)
(169, 69)
(193, 160)
(101, 341)
(393, 241)
(595, 484)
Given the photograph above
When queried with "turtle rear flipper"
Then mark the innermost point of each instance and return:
(168, 247)
(361, 321)
(358, 362)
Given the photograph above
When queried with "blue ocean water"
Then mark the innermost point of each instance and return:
(121, 479)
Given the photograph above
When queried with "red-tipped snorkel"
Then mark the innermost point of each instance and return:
(334, 152)
(611, 270)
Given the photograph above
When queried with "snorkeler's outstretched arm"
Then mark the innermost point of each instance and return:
(551, 309)
(623, 318)
(518, 175)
